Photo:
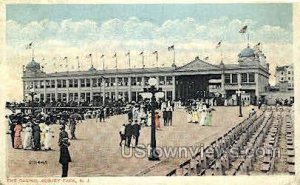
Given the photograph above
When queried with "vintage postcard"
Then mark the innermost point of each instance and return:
(116, 93)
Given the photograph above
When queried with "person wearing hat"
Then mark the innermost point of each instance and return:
(64, 157)
(63, 134)
(18, 139)
(28, 137)
(48, 135)
(12, 132)
(128, 133)
(122, 134)
(36, 130)
(136, 127)
(72, 128)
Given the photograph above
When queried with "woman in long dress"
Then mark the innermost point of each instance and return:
(157, 121)
(18, 139)
(42, 127)
(195, 117)
(28, 137)
(203, 116)
(48, 136)
(208, 118)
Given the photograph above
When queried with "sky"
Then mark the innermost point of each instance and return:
(61, 30)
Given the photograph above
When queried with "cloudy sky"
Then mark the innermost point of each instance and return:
(59, 31)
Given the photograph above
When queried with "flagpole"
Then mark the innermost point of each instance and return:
(174, 56)
(116, 62)
(247, 39)
(129, 59)
(156, 58)
(143, 60)
(78, 65)
(102, 62)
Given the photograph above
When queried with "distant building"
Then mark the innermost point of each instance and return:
(284, 77)
(196, 79)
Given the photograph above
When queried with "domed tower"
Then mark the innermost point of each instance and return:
(32, 68)
(248, 57)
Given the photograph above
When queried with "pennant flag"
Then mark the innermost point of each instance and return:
(29, 46)
(142, 53)
(206, 58)
(243, 30)
(171, 48)
(89, 55)
(219, 44)
(155, 52)
(258, 44)
(115, 55)
(102, 56)
(65, 58)
(128, 53)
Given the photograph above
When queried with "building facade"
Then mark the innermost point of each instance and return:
(197, 79)
(285, 77)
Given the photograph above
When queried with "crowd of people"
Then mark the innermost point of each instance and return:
(200, 113)
(140, 115)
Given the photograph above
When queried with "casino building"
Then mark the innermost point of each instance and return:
(196, 79)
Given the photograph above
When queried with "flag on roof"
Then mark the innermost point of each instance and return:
(29, 46)
(170, 48)
(142, 53)
(219, 44)
(243, 30)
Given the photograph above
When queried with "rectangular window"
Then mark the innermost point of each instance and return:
(147, 81)
(88, 82)
(133, 96)
(94, 82)
(106, 82)
(42, 84)
(125, 81)
(227, 78)
(47, 83)
(76, 96)
(133, 81)
(169, 80)
(64, 83)
(71, 83)
(41, 97)
(58, 83)
(48, 97)
(251, 77)
(234, 79)
(82, 82)
(99, 82)
(244, 77)
(112, 82)
(120, 81)
(161, 80)
(75, 83)
(52, 83)
(88, 97)
(139, 81)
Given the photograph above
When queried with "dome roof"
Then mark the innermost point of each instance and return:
(247, 52)
(92, 68)
(33, 65)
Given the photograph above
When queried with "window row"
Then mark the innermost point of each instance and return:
(245, 78)
(96, 82)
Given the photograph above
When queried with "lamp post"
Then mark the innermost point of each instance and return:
(239, 93)
(152, 93)
(32, 94)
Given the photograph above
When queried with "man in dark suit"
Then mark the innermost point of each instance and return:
(136, 132)
(128, 133)
(165, 117)
(64, 157)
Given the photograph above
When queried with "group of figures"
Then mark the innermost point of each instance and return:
(35, 132)
(139, 115)
(200, 113)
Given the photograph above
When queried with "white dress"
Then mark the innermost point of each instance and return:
(27, 138)
(48, 137)
(203, 115)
